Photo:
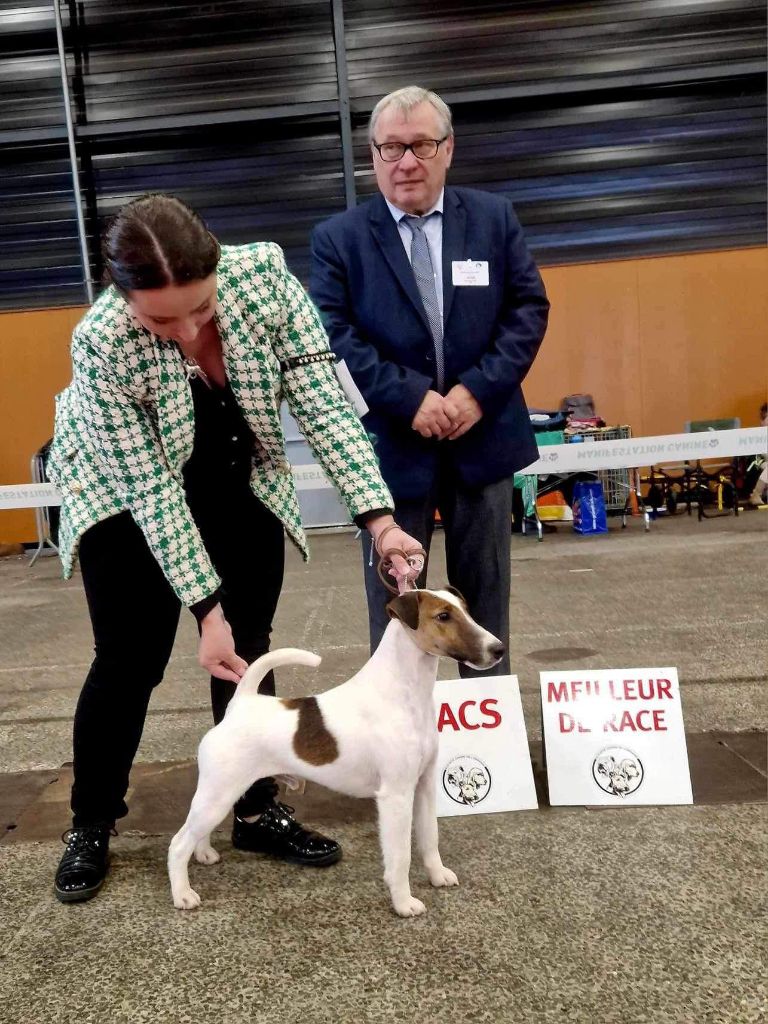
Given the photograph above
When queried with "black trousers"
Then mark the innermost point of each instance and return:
(135, 613)
(477, 523)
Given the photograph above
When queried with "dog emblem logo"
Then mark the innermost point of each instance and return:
(618, 771)
(467, 780)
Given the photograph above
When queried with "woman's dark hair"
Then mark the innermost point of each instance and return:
(157, 240)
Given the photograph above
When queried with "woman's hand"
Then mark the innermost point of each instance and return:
(394, 538)
(216, 652)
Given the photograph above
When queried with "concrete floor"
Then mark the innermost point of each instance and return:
(643, 915)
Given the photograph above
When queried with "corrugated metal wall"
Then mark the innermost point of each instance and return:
(275, 181)
(618, 128)
(39, 253)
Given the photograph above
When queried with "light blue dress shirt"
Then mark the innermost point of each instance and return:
(433, 229)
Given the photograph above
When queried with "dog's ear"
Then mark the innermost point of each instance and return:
(457, 593)
(406, 608)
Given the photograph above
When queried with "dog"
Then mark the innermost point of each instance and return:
(372, 736)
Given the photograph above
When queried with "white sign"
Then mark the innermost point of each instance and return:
(615, 737)
(483, 762)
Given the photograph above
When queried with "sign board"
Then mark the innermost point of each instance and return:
(483, 762)
(615, 737)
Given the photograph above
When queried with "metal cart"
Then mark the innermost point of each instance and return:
(621, 487)
(618, 484)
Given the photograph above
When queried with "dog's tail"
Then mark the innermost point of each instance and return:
(249, 684)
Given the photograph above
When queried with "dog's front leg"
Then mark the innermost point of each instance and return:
(395, 817)
(425, 819)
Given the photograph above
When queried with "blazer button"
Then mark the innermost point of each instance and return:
(76, 488)
(283, 466)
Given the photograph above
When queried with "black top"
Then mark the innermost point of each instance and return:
(223, 441)
(221, 461)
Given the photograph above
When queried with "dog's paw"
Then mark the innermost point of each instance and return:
(442, 876)
(206, 855)
(410, 907)
(186, 900)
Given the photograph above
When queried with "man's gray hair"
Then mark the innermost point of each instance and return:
(405, 100)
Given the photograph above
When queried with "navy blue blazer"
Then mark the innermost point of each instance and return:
(363, 285)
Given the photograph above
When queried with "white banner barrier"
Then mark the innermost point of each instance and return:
(28, 495)
(307, 478)
(557, 458)
(630, 453)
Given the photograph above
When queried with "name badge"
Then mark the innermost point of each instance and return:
(470, 273)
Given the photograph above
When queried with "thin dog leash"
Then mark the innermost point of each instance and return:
(415, 560)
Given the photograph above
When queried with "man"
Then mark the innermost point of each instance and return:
(429, 295)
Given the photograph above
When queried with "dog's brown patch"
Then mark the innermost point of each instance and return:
(406, 608)
(312, 741)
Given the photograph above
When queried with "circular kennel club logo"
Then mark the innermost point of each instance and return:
(467, 781)
(618, 771)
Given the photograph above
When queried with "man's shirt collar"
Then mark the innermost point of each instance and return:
(398, 214)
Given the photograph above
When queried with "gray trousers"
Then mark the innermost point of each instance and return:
(478, 526)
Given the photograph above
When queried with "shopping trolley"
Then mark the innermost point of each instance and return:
(621, 487)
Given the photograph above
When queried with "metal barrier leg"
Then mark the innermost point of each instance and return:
(639, 498)
(42, 519)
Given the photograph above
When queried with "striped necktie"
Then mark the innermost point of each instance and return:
(423, 271)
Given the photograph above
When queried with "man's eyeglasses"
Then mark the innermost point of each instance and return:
(422, 149)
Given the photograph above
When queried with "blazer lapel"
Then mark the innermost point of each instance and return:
(387, 236)
(253, 372)
(175, 409)
(454, 233)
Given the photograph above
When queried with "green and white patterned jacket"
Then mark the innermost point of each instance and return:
(125, 425)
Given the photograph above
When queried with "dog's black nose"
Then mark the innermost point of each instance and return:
(497, 649)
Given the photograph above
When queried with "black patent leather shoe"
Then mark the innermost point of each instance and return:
(84, 866)
(278, 834)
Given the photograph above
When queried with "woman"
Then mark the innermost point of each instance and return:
(176, 491)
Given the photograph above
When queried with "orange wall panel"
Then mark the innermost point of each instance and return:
(592, 343)
(704, 337)
(34, 366)
(658, 341)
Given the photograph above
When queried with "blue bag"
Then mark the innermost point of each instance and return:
(589, 507)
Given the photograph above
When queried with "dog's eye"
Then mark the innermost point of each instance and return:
(443, 616)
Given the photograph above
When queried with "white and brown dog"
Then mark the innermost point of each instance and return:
(374, 735)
